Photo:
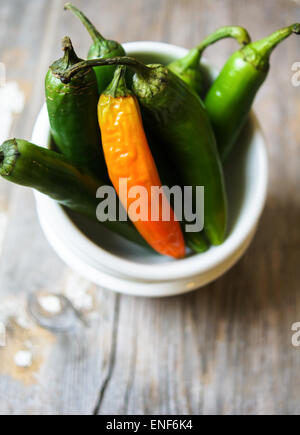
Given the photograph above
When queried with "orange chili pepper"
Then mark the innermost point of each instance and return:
(128, 156)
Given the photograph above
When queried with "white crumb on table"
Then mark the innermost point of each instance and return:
(51, 304)
(12, 101)
(23, 358)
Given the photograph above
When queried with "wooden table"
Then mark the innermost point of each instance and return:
(225, 349)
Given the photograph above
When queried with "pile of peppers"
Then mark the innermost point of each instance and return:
(113, 117)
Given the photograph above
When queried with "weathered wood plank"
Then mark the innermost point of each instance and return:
(28, 263)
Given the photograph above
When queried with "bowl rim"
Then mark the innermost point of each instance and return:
(177, 269)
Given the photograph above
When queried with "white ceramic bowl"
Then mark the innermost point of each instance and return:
(113, 263)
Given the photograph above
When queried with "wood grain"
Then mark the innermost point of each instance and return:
(225, 349)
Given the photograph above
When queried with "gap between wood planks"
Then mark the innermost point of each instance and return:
(112, 359)
(55, 7)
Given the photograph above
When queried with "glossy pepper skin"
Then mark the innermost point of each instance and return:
(53, 174)
(231, 96)
(101, 48)
(72, 110)
(178, 117)
(128, 156)
(189, 69)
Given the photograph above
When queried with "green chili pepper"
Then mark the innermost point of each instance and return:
(195, 241)
(230, 98)
(178, 117)
(53, 174)
(72, 110)
(189, 69)
(100, 49)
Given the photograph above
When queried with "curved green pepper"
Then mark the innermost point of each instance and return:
(231, 96)
(53, 174)
(72, 110)
(189, 69)
(101, 48)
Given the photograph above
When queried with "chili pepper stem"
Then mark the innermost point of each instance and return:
(66, 76)
(95, 34)
(192, 59)
(117, 88)
(8, 157)
(239, 33)
(258, 52)
(266, 46)
(69, 58)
